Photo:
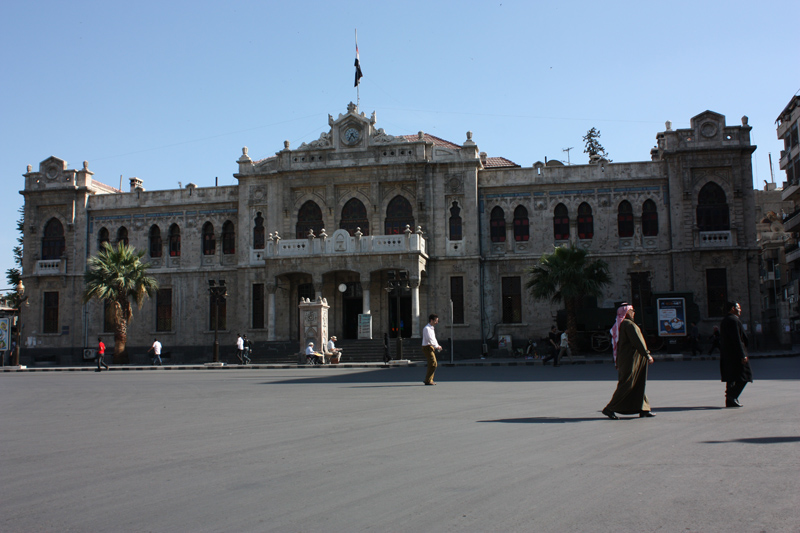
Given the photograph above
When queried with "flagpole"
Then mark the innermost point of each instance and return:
(358, 85)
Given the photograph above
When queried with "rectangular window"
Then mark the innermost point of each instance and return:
(457, 296)
(512, 300)
(258, 306)
(164, 310)
(213, 309)
(50, 312)
(716, 290)
(108, 317)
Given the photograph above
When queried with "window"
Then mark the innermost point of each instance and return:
(258, 232)
(213, 308)
(585, 221)
(457, 296)
(306, 290)
(258, 306)
(625, 219)
(354, 216)
(108, 316)
(122, 235)
(521, 230)
(53, 242)
(156, 247)
(641, 293)
(102, 238)
(308, 218)
(497, 225)
(174, 241)
(561, 223)
(399, 214)
(716, 290)
(228, 238)
(164, 310)
(50, 312)
(209, 241)
(455, 223)
(649, 219)
(712, 209)
(512, 300)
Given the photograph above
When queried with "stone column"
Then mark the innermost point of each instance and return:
(415, 331)
(271, 288)
(365, 295)
(313, 326)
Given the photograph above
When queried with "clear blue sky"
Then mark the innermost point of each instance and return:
(171, 91)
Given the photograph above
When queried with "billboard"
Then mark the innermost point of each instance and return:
(671, 317)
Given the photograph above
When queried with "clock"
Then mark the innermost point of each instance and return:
(351, 136)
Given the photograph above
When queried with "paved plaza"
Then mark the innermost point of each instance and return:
(356, 449)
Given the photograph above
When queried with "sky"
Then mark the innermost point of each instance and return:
(170, 91)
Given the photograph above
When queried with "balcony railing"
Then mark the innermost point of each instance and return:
(714, 239)
(341, 242)
(51, 267)
(792, 256)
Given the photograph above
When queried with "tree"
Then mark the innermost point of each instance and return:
(13, 275)
(118, 276)
(593, 146)
(567, 275)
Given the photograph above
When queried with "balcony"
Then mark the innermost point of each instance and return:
(341, 242)
(51, 267)
(792, 255)
(792, 222)
(715, 239)
(791, 191)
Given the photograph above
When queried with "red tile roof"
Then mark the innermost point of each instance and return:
(432, 138)
(498, 162)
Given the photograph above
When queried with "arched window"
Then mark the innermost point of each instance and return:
(497, 225)
(53, 242)
(258, 232)
(561, 223)
(625, 219)
(122, 235)
(354, 216)
(585, 221)
(155, 241)
(209, 241)
(308, 218)
(521, 230)
(174, 241)
(102, 237)
(649, 219)
(455, 223)
(398, 215)
(228, 238)
(712, 209)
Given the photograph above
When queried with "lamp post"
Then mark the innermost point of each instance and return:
(218, 292)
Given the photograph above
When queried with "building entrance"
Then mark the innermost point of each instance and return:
(404, 325)
(352, 306)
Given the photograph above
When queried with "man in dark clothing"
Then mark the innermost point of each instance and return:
(714, 338)
(554, 339)
(733, 362)
(694, 339)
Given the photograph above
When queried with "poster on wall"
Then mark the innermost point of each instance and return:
(365, 326)
(671, 317)
(5, 334)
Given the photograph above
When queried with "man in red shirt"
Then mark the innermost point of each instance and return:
(101, 353)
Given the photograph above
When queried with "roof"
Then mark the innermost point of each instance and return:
(498, 162)
(427, 137)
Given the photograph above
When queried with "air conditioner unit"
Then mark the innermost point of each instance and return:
(88, 353)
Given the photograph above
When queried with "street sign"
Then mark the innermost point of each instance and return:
(5, 334)
(671, 317)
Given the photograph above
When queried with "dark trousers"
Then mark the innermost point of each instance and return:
(553, 355)
(733, 389)
(101, 362)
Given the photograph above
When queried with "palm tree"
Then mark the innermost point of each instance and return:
(118, 276)
(567, 275)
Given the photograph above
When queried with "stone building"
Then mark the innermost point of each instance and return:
(788, 130)
(393, 227)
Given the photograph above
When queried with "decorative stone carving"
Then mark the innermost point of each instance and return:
(381, 137)
(455, 185)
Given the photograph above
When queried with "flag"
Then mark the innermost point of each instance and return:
(359, 75)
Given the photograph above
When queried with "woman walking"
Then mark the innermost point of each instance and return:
(631, 359)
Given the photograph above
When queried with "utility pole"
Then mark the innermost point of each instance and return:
(567, 150)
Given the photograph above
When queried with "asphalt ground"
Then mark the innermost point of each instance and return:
(505, 448)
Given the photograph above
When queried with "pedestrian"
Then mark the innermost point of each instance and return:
(312, 357)
(101, 354)
(694, 339)
(631, 358)
(248, 347)
(554, 339)
(714, 338)
(240, 348)
(564, 348)
(734, 364)
(429, 348)
(386, 356)
(156, 349)
(335, 353)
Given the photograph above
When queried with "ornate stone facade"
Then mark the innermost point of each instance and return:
(392, 224)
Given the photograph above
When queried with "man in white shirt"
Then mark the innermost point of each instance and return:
(240, 348)
(312, 357)
(564, 349)
(332, 349)
(156, 349)
(429, 348)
